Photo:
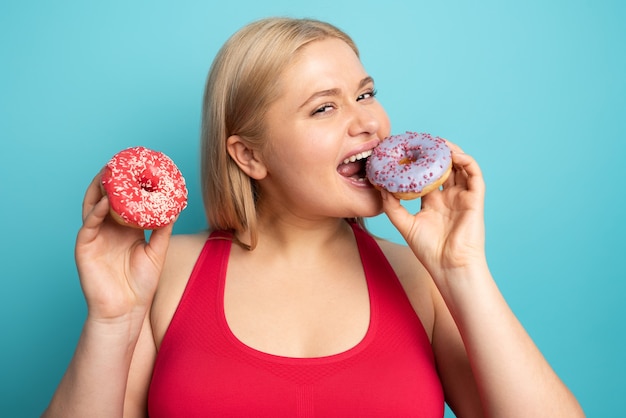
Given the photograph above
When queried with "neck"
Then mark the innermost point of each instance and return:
(296, 237)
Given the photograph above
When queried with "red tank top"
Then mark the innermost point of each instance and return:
(203, 370)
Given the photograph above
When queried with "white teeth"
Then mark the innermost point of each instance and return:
(358, 156)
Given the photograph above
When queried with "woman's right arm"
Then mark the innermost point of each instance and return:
(119, 272)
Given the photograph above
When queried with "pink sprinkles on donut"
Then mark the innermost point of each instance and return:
(409, 162)
(144, 187)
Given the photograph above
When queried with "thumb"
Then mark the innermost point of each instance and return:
(159, 241)
(397, 214)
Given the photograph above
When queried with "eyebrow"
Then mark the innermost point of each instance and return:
(334, 92)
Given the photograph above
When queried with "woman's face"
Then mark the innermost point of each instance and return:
(325, 116)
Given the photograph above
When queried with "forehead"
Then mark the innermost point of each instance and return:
(321, 63)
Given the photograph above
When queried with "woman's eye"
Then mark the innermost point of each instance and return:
(323, 109)
(367, 95)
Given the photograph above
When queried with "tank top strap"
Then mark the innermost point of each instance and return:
(385, 286)
(373, 259)
(220, 234)
(198, 301)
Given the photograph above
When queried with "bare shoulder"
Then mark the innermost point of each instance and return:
(414, 278)
(183, 247)
(181, 258)
(400, 256)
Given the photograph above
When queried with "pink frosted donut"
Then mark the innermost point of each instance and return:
(409, 165)
(145, 188)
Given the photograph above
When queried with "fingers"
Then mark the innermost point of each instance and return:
(93, 195)
(159, 240)
(450, 181)
(95, 210)
(93, 220)
(466, 172)
(452, 178)
(397, 214)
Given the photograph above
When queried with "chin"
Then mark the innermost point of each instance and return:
(373, 207)
(371, 214)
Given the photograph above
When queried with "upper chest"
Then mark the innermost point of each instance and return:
(300, 310)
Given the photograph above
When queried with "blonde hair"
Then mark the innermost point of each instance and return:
(242, 83)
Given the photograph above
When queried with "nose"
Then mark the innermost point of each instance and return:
(364, 121)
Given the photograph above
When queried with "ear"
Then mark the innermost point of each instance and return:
(245, 157)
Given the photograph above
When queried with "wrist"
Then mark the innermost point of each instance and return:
(469, 282)
(122, 328)
(475, 269)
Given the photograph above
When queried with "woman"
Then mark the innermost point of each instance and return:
(289, 307)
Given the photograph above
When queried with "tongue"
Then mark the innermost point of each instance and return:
(350, 169)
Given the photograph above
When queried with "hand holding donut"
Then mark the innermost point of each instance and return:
(118, 269)
(447, 234)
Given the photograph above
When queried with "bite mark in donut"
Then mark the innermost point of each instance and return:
(409, 165)
(145, 188)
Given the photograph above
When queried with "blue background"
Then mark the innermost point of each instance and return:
(535, 90)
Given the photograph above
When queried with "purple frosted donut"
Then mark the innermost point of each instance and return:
(409, 165)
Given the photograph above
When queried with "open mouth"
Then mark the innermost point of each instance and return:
(354, 166)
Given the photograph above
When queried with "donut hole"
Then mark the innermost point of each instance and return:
(146, 185)
(411, 156)
(149, 182)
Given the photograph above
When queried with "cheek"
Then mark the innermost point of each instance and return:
(287, 160)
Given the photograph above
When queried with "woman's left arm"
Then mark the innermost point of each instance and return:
(511, 375)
